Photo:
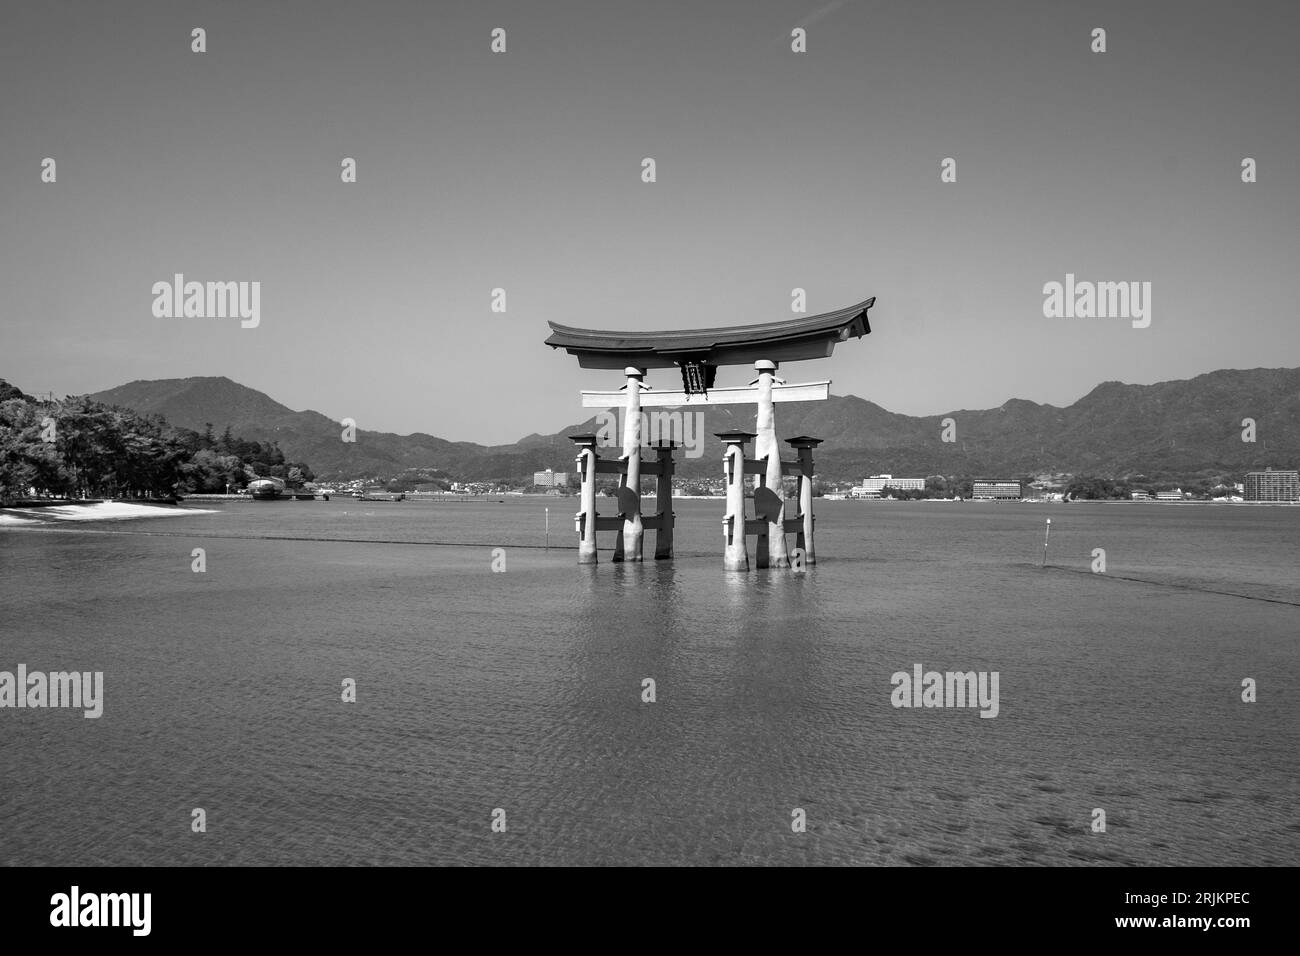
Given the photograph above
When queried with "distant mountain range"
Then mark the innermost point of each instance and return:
(1170, 429)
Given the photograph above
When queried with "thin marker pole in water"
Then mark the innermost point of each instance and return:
(548, 529)
(1045, 537)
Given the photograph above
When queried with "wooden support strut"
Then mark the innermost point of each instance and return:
(663, 519)
(803, 525)
(770, 522)
(587, 522)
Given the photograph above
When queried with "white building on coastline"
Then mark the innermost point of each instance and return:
(873, 486)
(550, 479)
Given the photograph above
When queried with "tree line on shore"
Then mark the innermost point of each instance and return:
(76, 447)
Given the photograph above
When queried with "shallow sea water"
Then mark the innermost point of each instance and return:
(522, 690)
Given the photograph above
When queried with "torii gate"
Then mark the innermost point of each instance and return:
(698, 353)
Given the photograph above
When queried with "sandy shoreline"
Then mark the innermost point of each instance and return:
(90, 511)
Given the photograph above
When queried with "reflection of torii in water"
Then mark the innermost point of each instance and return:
(699, 352)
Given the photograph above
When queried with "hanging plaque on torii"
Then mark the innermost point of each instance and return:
(698, 353)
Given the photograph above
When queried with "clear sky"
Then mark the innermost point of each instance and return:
(522, 170)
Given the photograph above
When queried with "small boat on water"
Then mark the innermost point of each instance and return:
(266, 489)
(274, 489)
(379, 496)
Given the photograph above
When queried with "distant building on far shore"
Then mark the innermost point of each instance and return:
(990, 489)
(550, 479)
(1270, 485)
(873, 486)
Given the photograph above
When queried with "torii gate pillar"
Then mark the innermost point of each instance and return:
(775, 555)
(735, 553)
(586, 466)
(628, 545)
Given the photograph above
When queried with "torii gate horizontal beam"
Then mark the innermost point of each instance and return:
(737, 395)
(792, 339)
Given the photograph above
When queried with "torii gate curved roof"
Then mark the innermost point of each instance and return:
(790, 340)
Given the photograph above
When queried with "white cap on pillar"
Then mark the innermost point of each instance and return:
(763, 365)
